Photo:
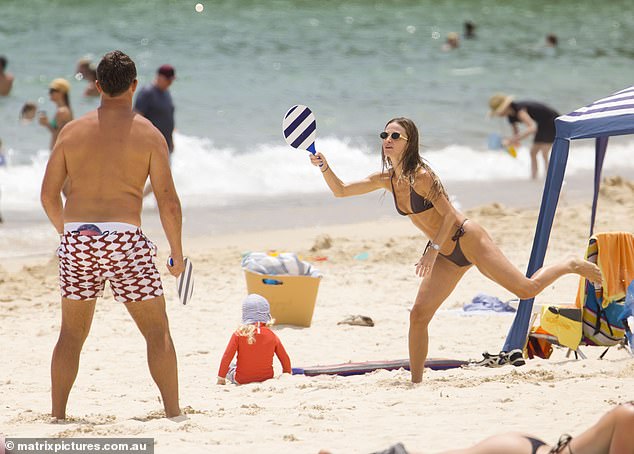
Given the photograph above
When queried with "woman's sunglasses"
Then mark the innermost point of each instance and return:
(395, 136)
(52, 90)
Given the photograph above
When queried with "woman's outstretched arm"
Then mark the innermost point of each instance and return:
(341, 189)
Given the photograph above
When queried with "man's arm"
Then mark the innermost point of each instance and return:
(168, 203)
(52, 184)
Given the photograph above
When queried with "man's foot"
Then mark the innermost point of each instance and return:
(587, 269)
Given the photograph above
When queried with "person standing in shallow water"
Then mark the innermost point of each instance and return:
(102, 219)
(59, 93)
(155, 103)
(539, 122)
(86, 71)
(456, 243)
(6, 79)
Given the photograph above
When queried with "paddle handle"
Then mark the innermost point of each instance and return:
(311, 149)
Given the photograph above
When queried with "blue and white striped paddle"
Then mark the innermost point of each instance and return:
(299, 128)
(184, 282)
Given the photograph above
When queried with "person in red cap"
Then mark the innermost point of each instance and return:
(154, 102)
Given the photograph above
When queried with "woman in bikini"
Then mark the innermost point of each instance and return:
(58, 91)
(455, 242)
(612, 434)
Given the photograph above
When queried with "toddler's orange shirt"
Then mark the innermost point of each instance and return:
(255, 361)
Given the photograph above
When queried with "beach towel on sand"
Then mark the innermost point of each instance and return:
(484, 302)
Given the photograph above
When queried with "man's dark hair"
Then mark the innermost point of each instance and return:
(3, 62)
(115, 72)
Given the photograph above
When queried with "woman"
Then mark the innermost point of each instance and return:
(612, 434)
(539, 120)
(456, 243)
(58, 92)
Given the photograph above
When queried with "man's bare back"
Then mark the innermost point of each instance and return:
(108, 154)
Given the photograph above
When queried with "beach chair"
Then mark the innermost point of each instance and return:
(595, 318)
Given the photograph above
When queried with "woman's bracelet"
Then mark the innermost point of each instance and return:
(432, 246)
(327, 168)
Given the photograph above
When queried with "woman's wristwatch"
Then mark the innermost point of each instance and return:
(435, 246)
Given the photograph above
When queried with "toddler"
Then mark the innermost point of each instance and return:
(255, 344)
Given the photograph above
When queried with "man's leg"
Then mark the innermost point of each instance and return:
(151, 319)
(76, 321)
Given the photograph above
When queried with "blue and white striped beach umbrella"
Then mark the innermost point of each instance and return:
(607, 116)
(300, 128)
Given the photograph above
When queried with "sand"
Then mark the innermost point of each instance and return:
(114, 395)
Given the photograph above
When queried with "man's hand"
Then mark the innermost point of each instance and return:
(177, 265)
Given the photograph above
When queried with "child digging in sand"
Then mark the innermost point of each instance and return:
(255, 344)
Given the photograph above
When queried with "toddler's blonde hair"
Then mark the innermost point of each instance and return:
(249, 330)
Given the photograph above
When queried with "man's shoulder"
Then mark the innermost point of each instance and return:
(141, 121)
(147, 90)
(145, 127)
(79, 126)
(88, 117)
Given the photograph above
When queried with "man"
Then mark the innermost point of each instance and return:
(86, 71)
(6, 79)
(107, 156)
(154, 102)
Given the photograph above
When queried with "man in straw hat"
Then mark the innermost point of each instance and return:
(539, 120)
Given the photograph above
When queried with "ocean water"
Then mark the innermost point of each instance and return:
(241, 64)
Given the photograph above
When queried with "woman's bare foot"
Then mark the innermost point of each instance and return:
(586, 269)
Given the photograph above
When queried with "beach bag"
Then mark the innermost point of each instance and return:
(602, 305)
(602, 325)
(564, 323)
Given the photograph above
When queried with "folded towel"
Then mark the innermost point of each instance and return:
(617, 265)
(613, 252)
(285, 263)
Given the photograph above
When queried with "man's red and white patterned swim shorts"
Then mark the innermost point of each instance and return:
(125, 259)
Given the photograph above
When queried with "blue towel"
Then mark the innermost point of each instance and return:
(484, 302)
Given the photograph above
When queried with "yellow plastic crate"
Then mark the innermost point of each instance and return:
(292, 298)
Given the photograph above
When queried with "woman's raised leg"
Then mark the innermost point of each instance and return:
(493, 264)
